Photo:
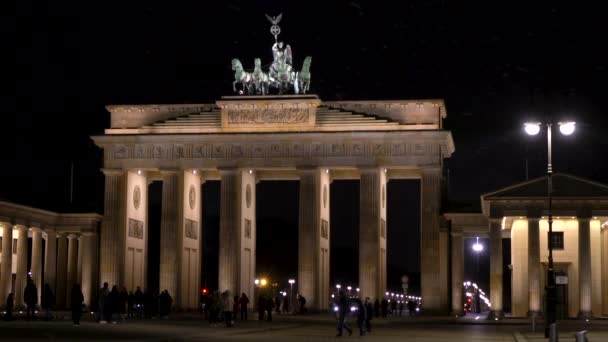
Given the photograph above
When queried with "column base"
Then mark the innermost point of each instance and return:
(460, 313)
(496, 315)
(535, 314)
(585, 315)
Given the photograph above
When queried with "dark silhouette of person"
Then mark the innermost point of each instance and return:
(76, 303)
(377, 308)
(124, 297)
(394, 308)
(243, 302)
(401, 308)
(103, 304)
(148, 301)
(361, 316)
(10, 303)
(384, 307)
(130, 304)
(235, 307)
(139, 301)
(369, 310)
(30, 297)
(302, 302)
(343, 310)
(48, 301)
(285, 305)
(114, 307)
(411, 307)
(261, 307)
(277, 304)
(165, 302)
(269, 306)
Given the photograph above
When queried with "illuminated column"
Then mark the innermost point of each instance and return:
(237, 231)
(372, 233)
(50, 260)
(72, 267)
(6, 271)
(584, 268)
(21, 275)
(78, 279)
(62, 264)
(496, 269)
(604, 244)
(534, 294)
(430, 245)
(169, 233)
(313, 237)
(37, 259)
(112, 235)
(89, 266)
(457, 272)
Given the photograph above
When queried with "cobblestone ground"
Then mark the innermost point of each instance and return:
(291, 328)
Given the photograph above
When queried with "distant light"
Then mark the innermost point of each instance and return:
(384, 170)
(532, 128)
(194, 171)
(386, 293)
(326, 170)
(284, 294)
(139, 172)
(263, 282)
(353, 308)
(349, 288)
(257, 281)
(250, 171)
(335, 308)
(357, 289)
(338, 286)
(566, 128)
(477, 247)
(291, 281)
(332, 296)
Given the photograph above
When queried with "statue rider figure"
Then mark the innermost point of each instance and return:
(282, 63)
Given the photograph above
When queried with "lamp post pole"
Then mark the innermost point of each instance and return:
(550, 289)
(291, 281)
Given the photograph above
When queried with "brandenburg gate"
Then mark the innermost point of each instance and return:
(241, 140)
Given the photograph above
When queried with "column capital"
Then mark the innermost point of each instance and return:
(169, 172)
(113, 172)
(20, 227)
(35, 230)
(72, 236)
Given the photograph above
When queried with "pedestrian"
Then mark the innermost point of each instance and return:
(212, 305)
(124, 297)
(343, 310)
(269, 307)
(377, 308)
(361, 316)
(77, 299)
(103, 304)
(48, 302)
(30, 297)
(139, 301)
(114, 307)
(10, 302)
(285, 305)
(401, 307)
(235, 307)
(411, 307)
(394, 308)
(226, 307)
(369, 310)
(302, 302)
(261, 307)
(384, 307)
(243, 302)
(165, 303)
(277, 304)
(130, 304)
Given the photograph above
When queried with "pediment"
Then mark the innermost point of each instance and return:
(564, 186)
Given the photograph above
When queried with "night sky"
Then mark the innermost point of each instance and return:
(496, 64)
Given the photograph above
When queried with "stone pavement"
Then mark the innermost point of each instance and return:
(190, 327)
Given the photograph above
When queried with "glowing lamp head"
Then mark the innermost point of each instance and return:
(263, 282)
(257, 281)
(338, 286)
(478, 247)
(291, 281)
(566, 128)
(532, 128)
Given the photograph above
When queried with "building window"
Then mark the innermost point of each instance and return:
(557, 240)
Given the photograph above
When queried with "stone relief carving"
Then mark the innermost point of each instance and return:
(383, 228)
(190, 229)
(247, 229)
(192, 196)
(325, 196)
(136, 229)
(383, 195)
(324, 229)
(136, 197)
(263, 116)
(248, 195)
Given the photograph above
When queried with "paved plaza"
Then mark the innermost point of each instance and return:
(190, 327)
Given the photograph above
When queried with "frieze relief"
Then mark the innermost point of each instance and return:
(272, 149)
(266, 116)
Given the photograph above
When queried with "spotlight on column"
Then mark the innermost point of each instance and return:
(532, 128)
(250, 171)
(139, 172)
(326, 170)
(194, 171)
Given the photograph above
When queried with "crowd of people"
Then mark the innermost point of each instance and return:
(116, 305)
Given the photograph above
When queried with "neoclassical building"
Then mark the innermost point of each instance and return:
(63, 252)
(519, 213)
(243, 140)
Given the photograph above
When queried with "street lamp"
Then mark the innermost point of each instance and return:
(477, 248)
(566, 128)
(349, 288)
(291, 282)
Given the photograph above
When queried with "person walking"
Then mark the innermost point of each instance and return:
(77, 299)
(139, 301)
(114, 307)
(401, 307)
(30, 297)
(130, 304)
(343, 310)
(226, 307)
(369, 310)
(285, 305)
(10, 302)
(269, 307)
(122, 303)
(302, 302)
(277, 304)
(48, 302)
(103, 305)
(243, 302)
(261, 307)
(394, 308)
(361, 316)
(411, 307)
(377, 308)
(384, 307)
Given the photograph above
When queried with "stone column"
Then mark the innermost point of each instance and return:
(604, 244)
(6, 271)
(169, 267)
(37, 259)
(313, 237)
(50, 260)
(112, 244)
(62, 264)
(496, 269)
(89, 266)
(21, 276)
(457, 272)
(430, 241)
(534, 292)
(72, 265)
(229, 231)
(372, 233)
(78, 279)
(584, 268)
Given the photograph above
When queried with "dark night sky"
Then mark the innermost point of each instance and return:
(495, 63)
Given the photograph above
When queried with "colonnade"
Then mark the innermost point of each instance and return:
(65, 254)
(181, 242)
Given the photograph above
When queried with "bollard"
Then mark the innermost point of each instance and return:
(553, 333)
(581, 336)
